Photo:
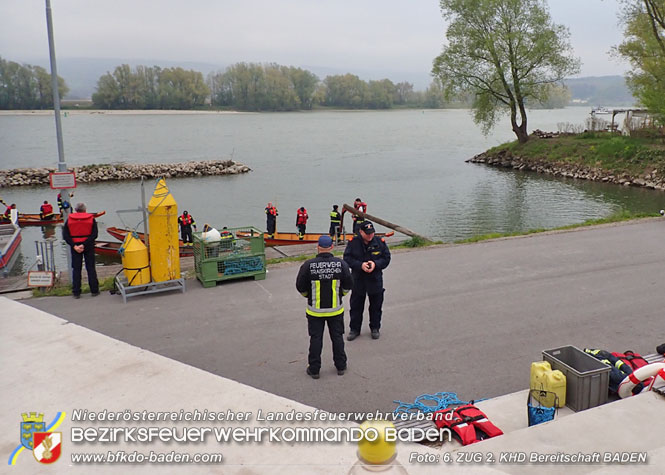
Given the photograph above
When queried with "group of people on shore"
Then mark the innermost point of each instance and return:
(302, 217)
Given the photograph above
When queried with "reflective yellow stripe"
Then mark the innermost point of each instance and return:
(335, 285)
(325, 314)
(317, 290)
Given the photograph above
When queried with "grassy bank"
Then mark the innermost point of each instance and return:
(612, 153)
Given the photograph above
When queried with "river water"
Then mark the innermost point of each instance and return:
(408, 165)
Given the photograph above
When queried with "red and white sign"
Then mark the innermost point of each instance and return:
(47, 446)
(62, 180)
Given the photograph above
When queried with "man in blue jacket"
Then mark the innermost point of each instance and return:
(325, 280)
(367, 256)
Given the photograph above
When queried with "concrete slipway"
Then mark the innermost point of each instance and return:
(457, 318)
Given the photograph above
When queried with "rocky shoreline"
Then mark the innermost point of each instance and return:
(506, 159)
(124, 171)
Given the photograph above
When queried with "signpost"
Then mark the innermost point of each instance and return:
(62, 180)
(40, 278)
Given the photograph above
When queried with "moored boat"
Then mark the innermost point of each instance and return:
(10, 238)
(35, 219)
(110, 248)
(290, 239)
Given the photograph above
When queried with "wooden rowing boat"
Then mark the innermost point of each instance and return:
(34, 219)
(110, 248)
(290, 239)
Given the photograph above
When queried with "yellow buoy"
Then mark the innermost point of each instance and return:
(135, 260)
(164, 241)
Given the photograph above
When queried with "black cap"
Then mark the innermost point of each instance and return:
(367, 227)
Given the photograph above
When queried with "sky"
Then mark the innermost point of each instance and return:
(349, 35)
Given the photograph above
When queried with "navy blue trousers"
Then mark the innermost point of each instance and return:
(375, 294)
(315, 327)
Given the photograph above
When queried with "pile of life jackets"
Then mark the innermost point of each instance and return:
(621, 364)
(467, 423)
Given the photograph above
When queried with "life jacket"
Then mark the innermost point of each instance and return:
(302, 217)
(618, 368)
(362, 207)
(46, 209)
(80, 226)
(468, 423)
(271, 210)
(8, 212)
(186, 220)
(226, 235)
(335, 217)
(634, 360)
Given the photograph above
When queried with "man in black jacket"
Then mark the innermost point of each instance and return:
(367, 256)
(324, 280)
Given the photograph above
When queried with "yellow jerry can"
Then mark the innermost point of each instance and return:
(135, 260)
(164, 240)
(545, 379)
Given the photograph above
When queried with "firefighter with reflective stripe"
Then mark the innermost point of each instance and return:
(271, 219)
(63, 202)
(325, 280)
(80, 232)
(335, 223)
(186, 222)
(7, 217)
(367, 256)
(301, 222)
(46, 210)
(361, 206)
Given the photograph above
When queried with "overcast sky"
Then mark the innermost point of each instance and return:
(352, 35)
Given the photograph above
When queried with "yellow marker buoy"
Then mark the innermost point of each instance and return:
(164, 241)
(135, 260)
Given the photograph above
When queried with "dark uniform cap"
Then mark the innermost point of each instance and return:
(367, 227)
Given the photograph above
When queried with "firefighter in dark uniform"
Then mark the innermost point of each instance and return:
(271, 219)
(367, 256)
(324, 280)
(80, 232)
(335, 223)
(186, 222)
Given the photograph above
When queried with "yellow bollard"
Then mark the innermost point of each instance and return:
(135, 260)
(164, 241)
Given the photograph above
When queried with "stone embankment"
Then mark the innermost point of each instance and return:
(506, 159)
(124, 171)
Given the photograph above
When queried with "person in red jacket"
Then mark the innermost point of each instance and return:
(361, 206)
(46, 210)
(186, 223)
(301, 222)
(80, 232)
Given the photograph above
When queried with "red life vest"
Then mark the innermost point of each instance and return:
(468, 423)
(302, 216)
(271, 210)
(362, 207)
(46, 209)
(186, 220)
(634, 360)
(80, 226)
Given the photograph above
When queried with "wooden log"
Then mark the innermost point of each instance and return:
(382, 222)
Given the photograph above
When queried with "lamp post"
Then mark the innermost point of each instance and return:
(62, 165)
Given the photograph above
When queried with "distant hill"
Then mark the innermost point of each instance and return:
(600, 91)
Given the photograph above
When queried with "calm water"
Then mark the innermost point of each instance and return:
(407, 165)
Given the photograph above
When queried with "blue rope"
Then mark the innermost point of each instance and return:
(431, 403)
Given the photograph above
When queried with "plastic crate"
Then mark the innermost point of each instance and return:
(587, 379)
(232, 257)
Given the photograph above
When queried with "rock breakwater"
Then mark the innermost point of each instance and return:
(507, 159)
(124, 171)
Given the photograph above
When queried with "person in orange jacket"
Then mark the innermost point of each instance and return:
(301, 222)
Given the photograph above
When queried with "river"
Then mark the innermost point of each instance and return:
(408, 165)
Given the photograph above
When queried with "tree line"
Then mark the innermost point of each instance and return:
(27, 87)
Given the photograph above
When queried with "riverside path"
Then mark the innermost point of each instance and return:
(465, 318)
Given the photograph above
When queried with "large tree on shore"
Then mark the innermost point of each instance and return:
(503, 53)
(644, 47)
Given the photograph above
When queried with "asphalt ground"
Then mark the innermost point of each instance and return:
(463, 318)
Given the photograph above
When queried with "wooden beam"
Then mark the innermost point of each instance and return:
(382, 222)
